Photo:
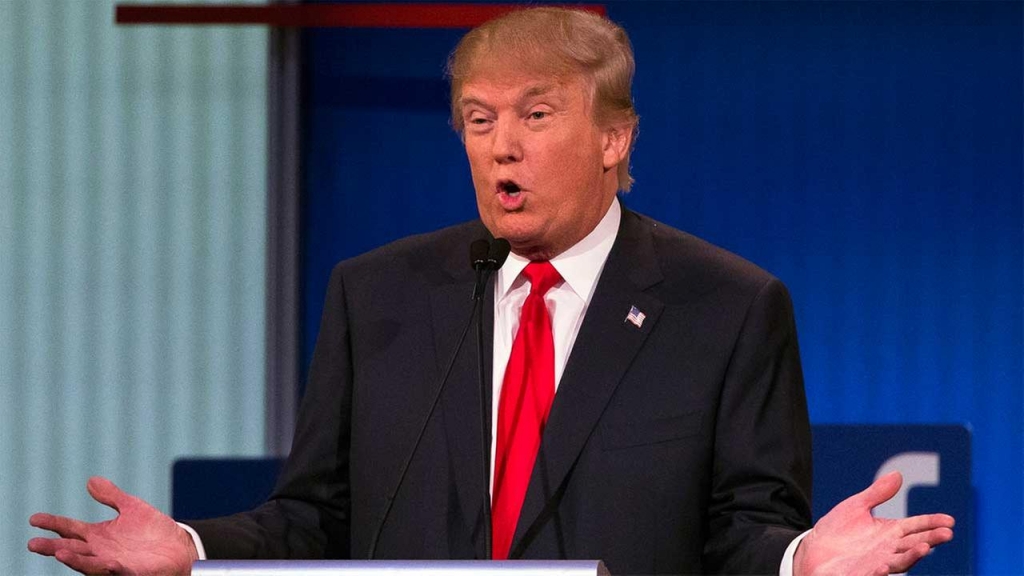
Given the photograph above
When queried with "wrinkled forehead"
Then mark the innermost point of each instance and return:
(526, 73)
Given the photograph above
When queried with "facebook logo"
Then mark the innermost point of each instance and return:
(918, 469)
(936, 466)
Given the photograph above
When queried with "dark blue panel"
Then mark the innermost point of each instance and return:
(848, 458)
(210, 487)
(868, 153)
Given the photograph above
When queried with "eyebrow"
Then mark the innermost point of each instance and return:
(531, 92)
(466, 102)
(536, 90)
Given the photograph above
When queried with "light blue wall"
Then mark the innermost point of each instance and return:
(132, 208)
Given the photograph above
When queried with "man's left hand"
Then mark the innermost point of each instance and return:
(849, 541)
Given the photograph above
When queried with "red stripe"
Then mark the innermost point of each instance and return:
(391, 15)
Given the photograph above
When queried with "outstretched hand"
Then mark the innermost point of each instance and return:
(140, 540)
(849, 541)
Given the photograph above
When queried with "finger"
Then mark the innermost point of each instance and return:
(87, 564)
(881, 490)
(106, 492)
(925, 522)
(932, 538)
(904, 561)
(50, 546)
(66, 527)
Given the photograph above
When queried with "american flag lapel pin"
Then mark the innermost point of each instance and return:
(636, 316)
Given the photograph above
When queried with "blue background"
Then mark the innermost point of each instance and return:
(868, 154)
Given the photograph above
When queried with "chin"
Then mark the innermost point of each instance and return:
(522, 234)
(511, 227)
(529, 248)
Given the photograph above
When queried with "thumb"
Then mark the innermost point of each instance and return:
(106, 492)
(881, 490)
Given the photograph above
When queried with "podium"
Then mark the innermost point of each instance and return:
(399, 568)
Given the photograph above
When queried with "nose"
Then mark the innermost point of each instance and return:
(507, 146)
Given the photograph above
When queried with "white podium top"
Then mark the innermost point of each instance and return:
(398, 567)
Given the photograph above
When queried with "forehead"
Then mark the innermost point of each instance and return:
(515, 87)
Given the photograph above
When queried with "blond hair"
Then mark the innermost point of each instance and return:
(560, 42)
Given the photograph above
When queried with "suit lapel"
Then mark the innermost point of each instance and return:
(451, 304)
(603, 351)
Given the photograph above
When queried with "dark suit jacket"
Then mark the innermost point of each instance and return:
(682, 446)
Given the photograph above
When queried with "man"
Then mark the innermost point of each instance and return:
(647, 405)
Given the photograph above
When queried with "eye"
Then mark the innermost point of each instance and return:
(538, 115)
(477, 122)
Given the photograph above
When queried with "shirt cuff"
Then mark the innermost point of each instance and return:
(202, 551)
(786, 567)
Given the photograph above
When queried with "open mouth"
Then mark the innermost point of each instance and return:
(509, 188)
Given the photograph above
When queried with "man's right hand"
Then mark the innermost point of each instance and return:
(140, 540)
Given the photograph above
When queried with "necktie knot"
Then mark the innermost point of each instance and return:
(542, 276)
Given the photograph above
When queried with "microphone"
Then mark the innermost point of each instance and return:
(478, 253)
(497, 253)
(485, 257)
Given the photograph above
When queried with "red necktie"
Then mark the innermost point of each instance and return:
(526, 395)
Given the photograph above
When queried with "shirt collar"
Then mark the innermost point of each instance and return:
(580, 265)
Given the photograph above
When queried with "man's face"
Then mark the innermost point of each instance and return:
(544, 172)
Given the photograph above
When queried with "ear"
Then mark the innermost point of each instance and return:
(616, 140)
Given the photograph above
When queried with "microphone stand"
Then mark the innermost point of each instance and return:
(496, 256)
(485, 429)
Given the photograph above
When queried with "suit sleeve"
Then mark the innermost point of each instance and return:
(761, 479)
(308, 514)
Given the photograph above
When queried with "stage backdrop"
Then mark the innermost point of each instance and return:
(869, 154)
